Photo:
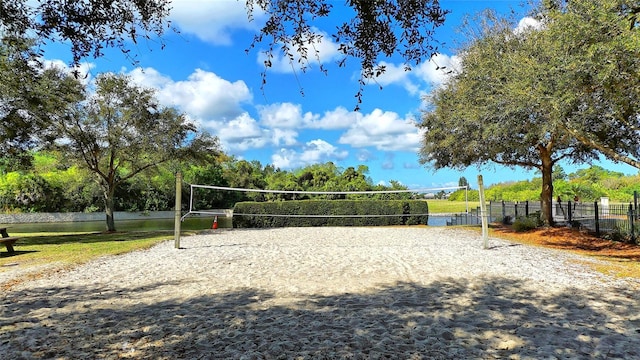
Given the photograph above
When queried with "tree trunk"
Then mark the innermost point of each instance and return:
(108, 208)
(546, 197)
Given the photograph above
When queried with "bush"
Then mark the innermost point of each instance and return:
(526, 223)
(28, 193)
(619, 234)
(402, 212)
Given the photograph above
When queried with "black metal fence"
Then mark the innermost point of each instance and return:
(470, 218)
(618, 221)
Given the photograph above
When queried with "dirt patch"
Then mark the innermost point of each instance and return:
(572, 239)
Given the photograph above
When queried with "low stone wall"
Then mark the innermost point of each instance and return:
(79, 216)
(24, 218)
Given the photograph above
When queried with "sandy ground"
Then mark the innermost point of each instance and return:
(327, 293)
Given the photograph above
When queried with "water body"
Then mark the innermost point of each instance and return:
(190, 223)
(438, 220)
(199, 223)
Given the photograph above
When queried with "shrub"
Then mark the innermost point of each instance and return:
(619, 234)
(401, 212)
(28, 193)
(526, 223)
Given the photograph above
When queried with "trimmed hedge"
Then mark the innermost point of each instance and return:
(402, 208)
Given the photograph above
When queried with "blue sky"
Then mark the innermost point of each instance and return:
(299, 118)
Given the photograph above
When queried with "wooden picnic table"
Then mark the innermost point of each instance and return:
(7, 240)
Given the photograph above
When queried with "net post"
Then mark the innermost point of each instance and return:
(191, 198)
(466, 197)
(483, 214)
(178, 209)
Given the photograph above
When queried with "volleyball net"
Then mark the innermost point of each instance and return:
(211, 200)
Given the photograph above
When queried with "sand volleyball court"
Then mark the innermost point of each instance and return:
(327, 293)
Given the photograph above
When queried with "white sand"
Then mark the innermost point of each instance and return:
(327, 293)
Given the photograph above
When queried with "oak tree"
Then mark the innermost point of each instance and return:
(499, 108)
(32, 96)
(121, 131)
(594, 49)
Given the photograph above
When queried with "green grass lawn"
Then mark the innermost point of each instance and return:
(65, 250)
(446, 206)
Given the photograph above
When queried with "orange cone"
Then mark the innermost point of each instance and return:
(215, 223)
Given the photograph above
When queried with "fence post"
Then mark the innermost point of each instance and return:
(569, 210)
(597, 218)
(490, 203)
(526, 208)
(635, 203)
(483, 207)
(515, 210)
(631, 225)
(504, 213)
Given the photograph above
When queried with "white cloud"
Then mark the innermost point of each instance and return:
(319, 150)
(397, 75)
(314, 151)
(365, 155)
(82, 71)
(385, 131)
(241, 133)
(282, 115)
(338, 118)
(242, 127)
(211, 21)
(284, 137)
(285, 159)
(149, 77)
(434, 71)
(438, 69)
(326, 49)
(288, 116)
(244, 133)
(203, 95)
(527, 24)
(388, 163)
(392, 74)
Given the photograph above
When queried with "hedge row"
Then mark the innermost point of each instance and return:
(407, 212)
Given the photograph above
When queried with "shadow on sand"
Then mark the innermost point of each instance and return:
(496, 318)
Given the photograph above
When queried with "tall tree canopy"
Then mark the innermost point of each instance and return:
(88, 26)
(378, 28)
(121, 131)
(562, 90)
(499, 108)
(31, 97)
(594, 50)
